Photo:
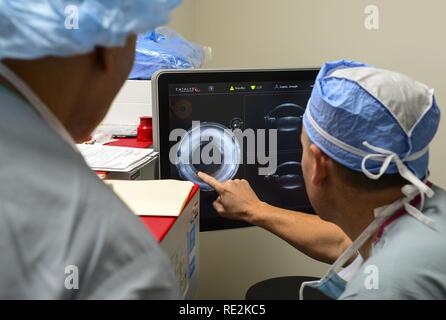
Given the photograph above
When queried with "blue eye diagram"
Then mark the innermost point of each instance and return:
(286, 117)
(288, 176)
(211, 148)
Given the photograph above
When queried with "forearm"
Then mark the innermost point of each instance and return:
(308, 233)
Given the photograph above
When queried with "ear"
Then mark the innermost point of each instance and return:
(117, 60)
(103, 58)
(320, 163)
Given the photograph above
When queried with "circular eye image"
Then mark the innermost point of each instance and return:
(182, 109)
(236, 123)
(210, 148)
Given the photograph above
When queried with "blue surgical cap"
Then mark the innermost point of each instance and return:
(372, 120)
(39, 28)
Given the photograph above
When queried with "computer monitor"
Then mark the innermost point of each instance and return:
(252, 117)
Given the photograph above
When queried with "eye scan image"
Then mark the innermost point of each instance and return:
(233, 132)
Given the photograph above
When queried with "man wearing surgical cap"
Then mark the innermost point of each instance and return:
(63, 233)
(365, 138)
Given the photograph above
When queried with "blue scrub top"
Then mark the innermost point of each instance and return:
(409, 260)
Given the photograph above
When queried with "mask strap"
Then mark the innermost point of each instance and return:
(387, 157)
(303, 285)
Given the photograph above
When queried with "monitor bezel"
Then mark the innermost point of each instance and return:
(160, 100)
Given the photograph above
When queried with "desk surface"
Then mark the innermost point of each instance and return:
(130, 143)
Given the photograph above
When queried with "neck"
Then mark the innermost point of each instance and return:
(357, 212)
(45, 77)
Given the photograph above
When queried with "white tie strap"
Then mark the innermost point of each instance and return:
(387, 157)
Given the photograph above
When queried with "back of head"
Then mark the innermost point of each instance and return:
(375, 124)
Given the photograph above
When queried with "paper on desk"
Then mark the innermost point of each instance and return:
(115, 159)
(153, 197)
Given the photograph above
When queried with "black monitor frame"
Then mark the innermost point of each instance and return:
(160, 102)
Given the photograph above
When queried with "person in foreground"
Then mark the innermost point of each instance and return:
(63, 233)
(366, 134)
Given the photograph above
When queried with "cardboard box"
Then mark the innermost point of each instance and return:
(178, 238)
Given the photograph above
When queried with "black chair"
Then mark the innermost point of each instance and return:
(283, 288)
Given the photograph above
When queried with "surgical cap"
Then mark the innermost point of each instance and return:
(39, 28)
(372, 120)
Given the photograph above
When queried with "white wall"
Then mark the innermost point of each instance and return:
(302, 33)
(183, 19)
(233, 260)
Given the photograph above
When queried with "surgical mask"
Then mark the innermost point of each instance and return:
(332, 285)
(38, 105)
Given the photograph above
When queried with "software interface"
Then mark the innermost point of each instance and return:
(267, 120)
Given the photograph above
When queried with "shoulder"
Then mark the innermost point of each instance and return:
(379, 280)
(409, 261)
(438, 201)
(407, 267)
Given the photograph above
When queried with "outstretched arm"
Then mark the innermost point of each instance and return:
(308, 233)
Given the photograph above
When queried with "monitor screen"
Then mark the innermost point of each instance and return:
(231, 125)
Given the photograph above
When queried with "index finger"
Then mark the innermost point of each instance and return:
(214, 183)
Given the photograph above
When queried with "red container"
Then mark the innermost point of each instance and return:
(145, 130)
